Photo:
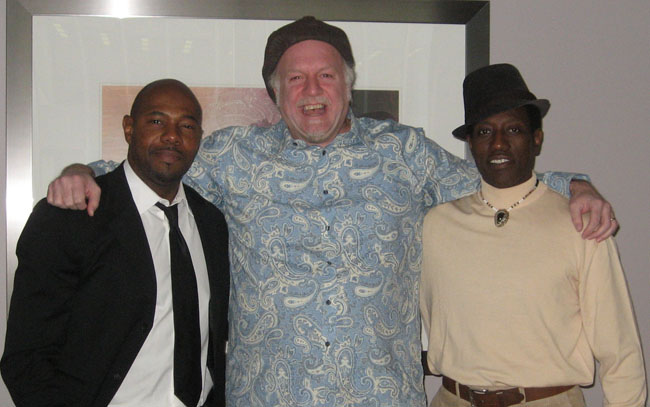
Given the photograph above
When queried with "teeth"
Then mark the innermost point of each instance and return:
(314, 107)
(499, 161)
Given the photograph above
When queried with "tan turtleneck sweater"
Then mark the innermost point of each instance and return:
(529, 304)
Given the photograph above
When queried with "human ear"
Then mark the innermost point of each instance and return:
(538, 139)
(127, 126)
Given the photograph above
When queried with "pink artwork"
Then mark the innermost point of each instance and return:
(222, 107)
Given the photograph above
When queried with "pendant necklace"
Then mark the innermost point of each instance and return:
(501, 216)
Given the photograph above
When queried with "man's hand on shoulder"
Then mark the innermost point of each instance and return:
(75, 188)
(586, 199)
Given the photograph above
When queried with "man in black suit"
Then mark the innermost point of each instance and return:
(93, 321)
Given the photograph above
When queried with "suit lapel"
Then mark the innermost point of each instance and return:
(127, 225)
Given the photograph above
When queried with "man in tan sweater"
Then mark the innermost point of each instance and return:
(515, 303)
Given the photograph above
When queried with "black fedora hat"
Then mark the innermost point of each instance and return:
(494, 89)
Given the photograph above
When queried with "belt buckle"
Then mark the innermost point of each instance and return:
(475, 391)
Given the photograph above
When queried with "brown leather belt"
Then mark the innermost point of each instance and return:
(500, 398)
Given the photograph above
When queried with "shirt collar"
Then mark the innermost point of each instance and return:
(144, 197)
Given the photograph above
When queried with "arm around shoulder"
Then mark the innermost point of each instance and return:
(585, 198)
(75, 188)
(448, 177)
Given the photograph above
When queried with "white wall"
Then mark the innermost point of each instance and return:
(591, 58)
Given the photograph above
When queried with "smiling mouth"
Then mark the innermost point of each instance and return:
(498, 161)
(315, 109)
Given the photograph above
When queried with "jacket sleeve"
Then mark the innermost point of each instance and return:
(44, 291)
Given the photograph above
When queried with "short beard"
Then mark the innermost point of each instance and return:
(320, 137)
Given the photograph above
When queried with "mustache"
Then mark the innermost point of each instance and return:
(313, 101)
(168, 148)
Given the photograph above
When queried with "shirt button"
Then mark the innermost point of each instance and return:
(325, 192)
(329, 263)
(328, 302)
(327, 228)
(117, 376)
(295, 144)
(323, 152)
(327, 343)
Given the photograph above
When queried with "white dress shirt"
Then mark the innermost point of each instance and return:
(150, 380)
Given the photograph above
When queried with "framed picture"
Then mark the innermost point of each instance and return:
(223, 107)
(411, 57)
(408, 71)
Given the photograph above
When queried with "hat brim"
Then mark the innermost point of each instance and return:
(542, 105)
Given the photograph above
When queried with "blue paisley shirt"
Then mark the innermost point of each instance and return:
(325, 248)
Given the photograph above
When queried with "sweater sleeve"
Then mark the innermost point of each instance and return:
(610, 326)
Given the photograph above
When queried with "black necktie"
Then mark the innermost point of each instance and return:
(185, 299)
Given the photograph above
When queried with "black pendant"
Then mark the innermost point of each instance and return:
(501, 218)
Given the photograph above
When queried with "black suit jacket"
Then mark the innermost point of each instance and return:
(84, 298)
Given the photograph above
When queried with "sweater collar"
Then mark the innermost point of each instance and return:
(502, 198)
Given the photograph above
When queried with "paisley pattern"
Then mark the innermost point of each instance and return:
(325, 250)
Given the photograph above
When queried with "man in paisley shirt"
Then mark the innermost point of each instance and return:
(325, 213)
